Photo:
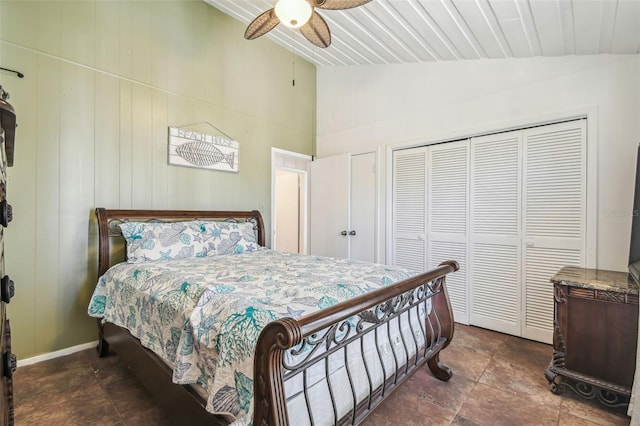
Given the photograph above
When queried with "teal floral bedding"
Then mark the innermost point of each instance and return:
(204, 314)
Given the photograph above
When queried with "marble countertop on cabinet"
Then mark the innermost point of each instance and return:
(596, 279)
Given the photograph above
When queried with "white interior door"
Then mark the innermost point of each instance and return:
(288, 210)
(363, 207)
(286, 200)
(495, 232)
(409, 208)
(447, 225)
(554, 217)
(509, 207)
(330, 206)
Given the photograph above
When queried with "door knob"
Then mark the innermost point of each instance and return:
(352, 232)
(343, 233)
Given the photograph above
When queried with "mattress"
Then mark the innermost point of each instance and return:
(355, 372)
(204, 315)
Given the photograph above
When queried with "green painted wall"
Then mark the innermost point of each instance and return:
(103, 81)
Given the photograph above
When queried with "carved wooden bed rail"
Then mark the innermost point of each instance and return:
(355, 352)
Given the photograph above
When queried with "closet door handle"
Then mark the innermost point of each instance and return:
(343, 233)
(352, 232)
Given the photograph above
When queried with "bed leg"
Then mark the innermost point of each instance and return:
(103, 345)
(438, 369)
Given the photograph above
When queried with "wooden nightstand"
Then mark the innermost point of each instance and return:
(595, 334)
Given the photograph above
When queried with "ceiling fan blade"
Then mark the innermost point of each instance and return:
(317, 31)
(264, 23)
(338, 4)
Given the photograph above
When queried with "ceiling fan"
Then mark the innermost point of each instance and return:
(300, 14)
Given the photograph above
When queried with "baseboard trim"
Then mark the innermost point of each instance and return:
(56, 354)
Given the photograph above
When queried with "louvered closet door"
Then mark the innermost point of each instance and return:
(554, 216)
(495, 232)
(448, 184)
(409, 208)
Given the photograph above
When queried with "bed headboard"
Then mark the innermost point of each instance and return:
(111, 243)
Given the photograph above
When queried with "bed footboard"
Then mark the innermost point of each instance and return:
(339, 363)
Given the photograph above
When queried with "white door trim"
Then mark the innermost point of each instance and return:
(277, 153)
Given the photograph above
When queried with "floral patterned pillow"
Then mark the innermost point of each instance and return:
(227, 238)
(147, 241)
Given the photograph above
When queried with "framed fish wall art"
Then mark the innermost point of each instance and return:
(194, 149)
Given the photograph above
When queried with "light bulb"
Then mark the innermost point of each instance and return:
(293, 13)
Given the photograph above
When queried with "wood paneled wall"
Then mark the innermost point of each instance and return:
(103, 81)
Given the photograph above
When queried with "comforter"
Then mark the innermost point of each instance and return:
(204, 315)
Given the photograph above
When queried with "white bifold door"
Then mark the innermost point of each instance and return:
(509, 207)
(343, 206)
(430, 213)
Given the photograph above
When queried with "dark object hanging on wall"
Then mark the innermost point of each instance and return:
(8, 123)
(18, 73)
(8, 119)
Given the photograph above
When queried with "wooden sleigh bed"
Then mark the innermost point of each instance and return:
(413, 316)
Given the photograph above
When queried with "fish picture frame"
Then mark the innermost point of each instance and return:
(201, 150)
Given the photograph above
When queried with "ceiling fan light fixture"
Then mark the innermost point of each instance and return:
(293, 13)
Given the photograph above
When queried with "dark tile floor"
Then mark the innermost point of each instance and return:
(498, 380)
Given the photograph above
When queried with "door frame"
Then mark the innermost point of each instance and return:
(590, 114)
(378, 211)
(295, 161)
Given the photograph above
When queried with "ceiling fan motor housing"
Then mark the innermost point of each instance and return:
(293, 13)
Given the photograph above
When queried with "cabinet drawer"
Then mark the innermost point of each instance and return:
(601, 338)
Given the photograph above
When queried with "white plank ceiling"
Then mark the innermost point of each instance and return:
(405, 31)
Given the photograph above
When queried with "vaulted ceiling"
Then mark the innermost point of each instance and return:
(406, 31)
